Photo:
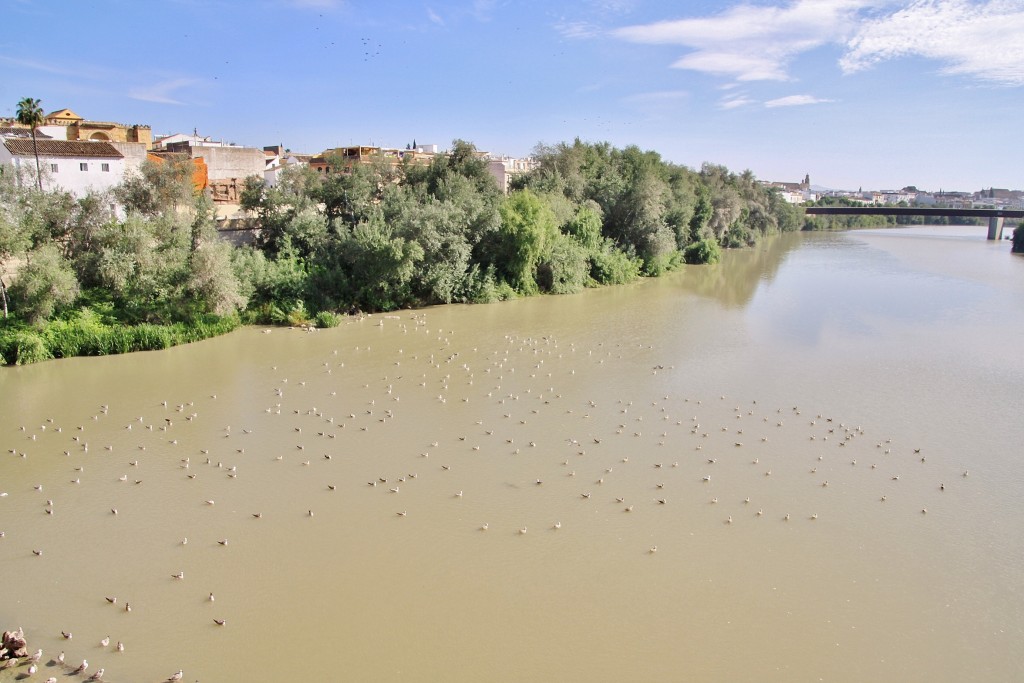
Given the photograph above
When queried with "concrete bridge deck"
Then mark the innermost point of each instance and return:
(995, 216)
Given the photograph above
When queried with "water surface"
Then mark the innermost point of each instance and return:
(814, 376)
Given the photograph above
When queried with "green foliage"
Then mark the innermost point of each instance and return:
(613, 267)
(704, 251)
(585, 226)
(486, 288)
(526, 236)
(213, 282)
(44, 283)
(297, 316)
(87, 334)
(365, 236)
(567, 268)
(368, 269)
(328, 319)
(22, 347)
(157, 188)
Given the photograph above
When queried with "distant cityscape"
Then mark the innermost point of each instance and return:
(80, 155)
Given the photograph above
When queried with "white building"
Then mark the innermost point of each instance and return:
(505, 168)
(71, 165)
(276, 166)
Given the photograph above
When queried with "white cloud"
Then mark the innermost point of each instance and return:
(795, 101)
(161, 92)
(434, 17)
(749, 42)
(80, 69)
(660, 96)
(579, 29)
(735, 102)
(975, 39)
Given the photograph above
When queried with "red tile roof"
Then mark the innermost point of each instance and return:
(63, 148)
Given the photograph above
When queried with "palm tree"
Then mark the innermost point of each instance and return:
(30, 113)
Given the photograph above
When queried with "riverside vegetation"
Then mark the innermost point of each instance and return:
(86, 279)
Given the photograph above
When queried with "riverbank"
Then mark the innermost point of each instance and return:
(86, 335)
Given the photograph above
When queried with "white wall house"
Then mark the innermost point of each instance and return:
(71, 165)
(272, 174)
(505, 168)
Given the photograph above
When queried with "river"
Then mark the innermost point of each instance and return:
(802, 464)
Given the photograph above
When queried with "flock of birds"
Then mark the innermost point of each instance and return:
(530, 414)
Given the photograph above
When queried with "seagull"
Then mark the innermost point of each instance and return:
(98, 676)
(175, 677)
(219, 622)
(81, 667)
(105, 641)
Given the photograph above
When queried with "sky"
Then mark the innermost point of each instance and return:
(872, 94)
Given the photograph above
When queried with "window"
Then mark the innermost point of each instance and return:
(83, 166)
(53, 168)
(105, 168)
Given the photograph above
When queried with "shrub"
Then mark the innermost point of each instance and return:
(327, 319)
(703, 251)
(614, 267)
(29, 347)
(298, 315)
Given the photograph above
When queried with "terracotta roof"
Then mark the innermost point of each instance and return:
(18, 132)
(64, 148)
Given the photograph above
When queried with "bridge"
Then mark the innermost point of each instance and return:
(995, 216)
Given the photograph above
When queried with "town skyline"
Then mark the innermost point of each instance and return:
(843, 89)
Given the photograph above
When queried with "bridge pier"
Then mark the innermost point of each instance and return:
(995, 228)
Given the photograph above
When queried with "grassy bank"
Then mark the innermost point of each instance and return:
(86, 334)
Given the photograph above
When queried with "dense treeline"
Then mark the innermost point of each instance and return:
(85, 279)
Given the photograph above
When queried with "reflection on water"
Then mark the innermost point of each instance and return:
(765, 481)
(735, 282)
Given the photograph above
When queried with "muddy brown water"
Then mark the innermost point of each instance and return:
(813, 376)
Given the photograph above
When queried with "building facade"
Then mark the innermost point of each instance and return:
(71, 165)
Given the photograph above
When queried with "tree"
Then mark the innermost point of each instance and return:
(526, 236)
(14, 238)
(45, 282)
(157, 188)
(30, 113)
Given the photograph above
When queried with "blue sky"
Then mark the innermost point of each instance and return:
(857, 93)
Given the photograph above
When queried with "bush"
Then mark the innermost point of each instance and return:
(328, 319)
(486, 288)
(704, 251)
(26, 347)
(614, 267)
(298, 315)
